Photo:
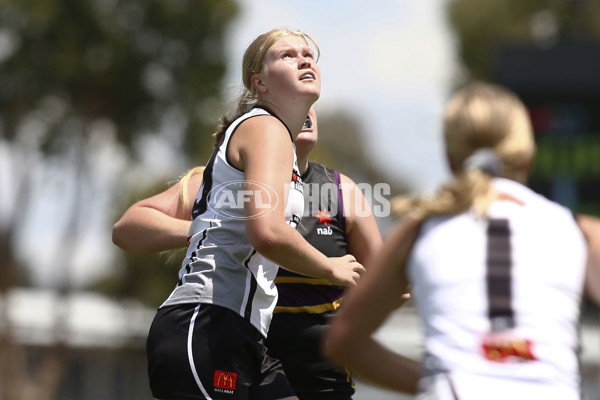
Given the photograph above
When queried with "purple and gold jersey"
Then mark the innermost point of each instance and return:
(323, 226)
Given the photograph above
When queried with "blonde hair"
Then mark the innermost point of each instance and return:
(479, 117)
(184, 182)
(174, 256)
(253, 63)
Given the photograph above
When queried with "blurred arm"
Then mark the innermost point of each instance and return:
(157, 223)
(590, 226)
(364, 239)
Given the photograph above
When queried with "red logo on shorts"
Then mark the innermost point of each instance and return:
(225, 380)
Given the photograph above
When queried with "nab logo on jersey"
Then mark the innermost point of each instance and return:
(324, 218)
(225, 381)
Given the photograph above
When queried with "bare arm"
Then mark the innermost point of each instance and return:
(157, 223)
(349, 340)
(263, 150)
(364, 239)
(590, 226)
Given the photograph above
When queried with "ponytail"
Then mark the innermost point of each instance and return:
(470, 188)
(248, 100)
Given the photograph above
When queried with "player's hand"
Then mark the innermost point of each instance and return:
(346, 270)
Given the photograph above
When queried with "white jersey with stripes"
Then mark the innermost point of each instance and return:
(221, 267)
(500, 298)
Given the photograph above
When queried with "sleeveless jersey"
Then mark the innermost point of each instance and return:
(499, 297)
(221, 267)
(323, 226)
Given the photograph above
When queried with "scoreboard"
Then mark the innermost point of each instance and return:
(560, 86)
(567, 162)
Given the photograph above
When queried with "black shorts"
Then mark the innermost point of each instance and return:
(202, 351)
(295, 339)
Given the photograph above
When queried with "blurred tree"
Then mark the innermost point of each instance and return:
(342, 146)
(481, 27)
(75, 75)
(125, 60)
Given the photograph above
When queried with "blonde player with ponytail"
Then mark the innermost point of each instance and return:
(496, 270)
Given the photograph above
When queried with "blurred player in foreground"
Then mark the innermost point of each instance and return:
(497, 272)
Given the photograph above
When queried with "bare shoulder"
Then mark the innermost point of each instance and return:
(346, 180)
(352, 194)
(264, 127)
(257, 136)
(350, 189)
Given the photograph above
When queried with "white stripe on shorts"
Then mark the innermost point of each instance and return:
(191, 354)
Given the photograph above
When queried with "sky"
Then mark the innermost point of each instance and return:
(392, 63)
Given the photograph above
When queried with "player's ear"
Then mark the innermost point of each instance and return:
(257, 83)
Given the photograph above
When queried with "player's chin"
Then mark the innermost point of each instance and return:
(304, 143)
(312, 91)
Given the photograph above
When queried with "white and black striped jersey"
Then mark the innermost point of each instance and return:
(500, 297)
(221, 267)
